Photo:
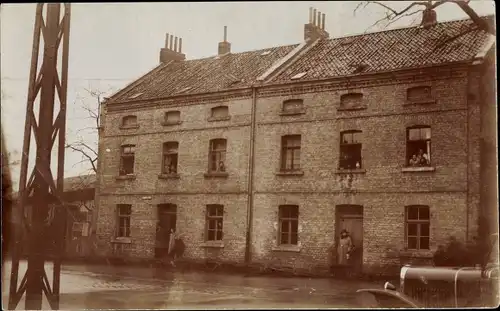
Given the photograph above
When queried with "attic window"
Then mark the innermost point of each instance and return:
(292, 107)
(129, 122)
(136, 95)
(299, 75)
(265, 53)
(219, 113)
(359, 68)
(172, 117)
(351, 101)
(185, 89)
(419, 94)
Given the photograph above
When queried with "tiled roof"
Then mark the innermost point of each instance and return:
(368, 53)
(387, 50)
(206, 75)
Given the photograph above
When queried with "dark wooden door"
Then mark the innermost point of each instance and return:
(167, 221)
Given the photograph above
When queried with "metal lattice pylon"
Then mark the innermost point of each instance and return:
(44, 195)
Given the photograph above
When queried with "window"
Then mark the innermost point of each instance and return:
(170, 155)
(220, 112)
(290, 153)
(172, 117)
(351, 101)
(129, 121)
(288, 224)
(215, 215)
(124, 211)
(293, 105)
(127, 160)
(418, 146)
(217, 156)
(350, 150)
(417, 227)
(419, 94)
(298, 76)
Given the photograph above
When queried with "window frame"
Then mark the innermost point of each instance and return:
(134, 124)
(285, 147)
(343, 146)
(123, 155)
(119, 217)
(419, 222)
(218, 218)
(170, 152)
(292, 111)
(166, 120)
(222, 155)
(291, 223)
(219, 118)
(359, 104)
(428, 143)
(418, 99)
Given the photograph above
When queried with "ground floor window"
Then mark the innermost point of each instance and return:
(288, 224)
(417, 227)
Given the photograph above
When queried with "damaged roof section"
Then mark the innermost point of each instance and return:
(387, 50)
(206, 75)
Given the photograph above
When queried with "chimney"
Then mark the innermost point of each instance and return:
(224, 46)
(172, 50)
(429, 18)
(315, 29)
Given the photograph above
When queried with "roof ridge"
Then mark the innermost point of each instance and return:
(406, 27)
(243, 52)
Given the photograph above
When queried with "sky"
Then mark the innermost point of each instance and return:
(112, 44)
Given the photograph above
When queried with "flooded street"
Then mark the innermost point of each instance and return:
(125, 287)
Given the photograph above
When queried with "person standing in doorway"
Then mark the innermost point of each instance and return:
(344, 248)
(171, 248)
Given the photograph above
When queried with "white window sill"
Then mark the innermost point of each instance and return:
(168, 176)
(422, 253)
(216, 175)
(213, 244)
(290, 173)
(122, 240)
(171, 123)
(418, 169)
(216, 119)
(125, 177)
(287, 248)
(129, 127)
(351, 171)
(292, 112)
(361, 107)
(420, 102)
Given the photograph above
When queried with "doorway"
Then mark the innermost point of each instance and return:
(167, 220)
(350, 218)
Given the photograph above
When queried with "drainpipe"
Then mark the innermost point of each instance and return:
(251, 154)
(467, 200)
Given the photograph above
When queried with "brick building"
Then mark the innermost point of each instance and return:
(262, 157)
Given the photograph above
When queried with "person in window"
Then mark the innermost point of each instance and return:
(222, 168)
(423, 158)
(344, 248)
(173, 169)
(414, 160)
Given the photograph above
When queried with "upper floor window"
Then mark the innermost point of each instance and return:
(351, 101)
(172, 117)
(418, 146)
(419, 94)
(291, 106)
(170, 156)
(129, 121)
(214, 222)
(417, 227)
(124, 211)
(350, 150)
(217, 156)
(288, 224)
(290, 152)
(127, 160)
(219, 113)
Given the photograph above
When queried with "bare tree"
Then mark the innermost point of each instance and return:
(426, 8)
(86, 142)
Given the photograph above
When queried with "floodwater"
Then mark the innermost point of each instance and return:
(132, 287)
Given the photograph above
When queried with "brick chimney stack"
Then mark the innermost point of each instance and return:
(172, 50)
(224, 46)
(316, 27)
(429, 18)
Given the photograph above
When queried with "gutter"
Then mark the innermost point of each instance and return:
(251, 167)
